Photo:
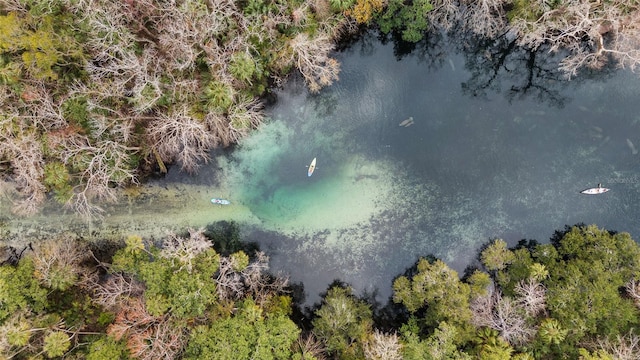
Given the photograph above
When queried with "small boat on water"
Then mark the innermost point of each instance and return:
(312, 167)
(220, 201)
(595, 191)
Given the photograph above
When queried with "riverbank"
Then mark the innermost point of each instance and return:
(150, 211)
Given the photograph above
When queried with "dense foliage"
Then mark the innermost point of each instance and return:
(96, 94)
(575, 298)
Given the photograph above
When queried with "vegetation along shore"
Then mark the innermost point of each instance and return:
(97, 94)
(189, 297)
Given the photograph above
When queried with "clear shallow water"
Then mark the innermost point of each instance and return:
(469, 168)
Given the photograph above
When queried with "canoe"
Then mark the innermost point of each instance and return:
(595, 191)
(312, 167)
(220, 201)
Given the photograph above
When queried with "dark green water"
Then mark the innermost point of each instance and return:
(488, 155)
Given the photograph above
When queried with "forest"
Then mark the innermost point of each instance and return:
(207, 295)
(97, 95)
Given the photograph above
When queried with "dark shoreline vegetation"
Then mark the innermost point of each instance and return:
(97, 95)
(191, 297)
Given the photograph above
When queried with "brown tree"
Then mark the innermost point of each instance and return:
(148, 337)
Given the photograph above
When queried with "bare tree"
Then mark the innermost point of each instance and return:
(24, 152)
(103, 164)
(591, 32)
(164, 340)
(532, 296)
(509, 321)
(259, 283)
(504, 315)
(382, 346)
(229, 283)
(310, 347)
(311, 57)
(626, 347)
(482, 309)
(179, 137)
(484, 17)
(633, 290)
(183, 28)
(115, 290)
(244, 116)
(185, 249)
(40, 109)
(253, 280)
(445, 14)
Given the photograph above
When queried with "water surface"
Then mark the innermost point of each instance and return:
(499, 146)
(481, 159)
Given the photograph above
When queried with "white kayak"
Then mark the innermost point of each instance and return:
(312, 167)
(220, 201)
(595, 191)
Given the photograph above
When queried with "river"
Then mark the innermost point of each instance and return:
(430, 152)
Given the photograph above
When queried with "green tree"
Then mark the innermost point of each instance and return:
(491, 346)
(245, 68)
(41, 43)
(478, 282)
(497, 256)
(20, 290)
(584, 282)
(57, 179)
(436, 289)
(249, 334)
(170, 286)
(538, 271)
(409, 19)
(218, 96)
(595, 355)
(107, 348)
(185, 293)
(56, 344)
(551, 332)
(342, 322)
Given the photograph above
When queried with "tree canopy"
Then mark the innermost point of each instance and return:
(576, 297)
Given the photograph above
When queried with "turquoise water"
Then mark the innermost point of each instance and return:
(479, 160)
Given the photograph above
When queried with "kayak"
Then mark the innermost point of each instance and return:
(220, 201)
(595, 191)
(312, 167)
